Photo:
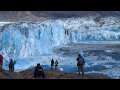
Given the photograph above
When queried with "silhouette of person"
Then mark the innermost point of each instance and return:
(52, 64)
(80, 64)
(56, 64)
(11, 65)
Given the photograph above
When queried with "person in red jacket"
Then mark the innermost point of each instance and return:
(1, 62)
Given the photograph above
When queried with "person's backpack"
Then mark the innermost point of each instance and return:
(40, 71)
(81, 61)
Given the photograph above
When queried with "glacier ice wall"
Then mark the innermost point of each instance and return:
(29, 39)
(19, 40)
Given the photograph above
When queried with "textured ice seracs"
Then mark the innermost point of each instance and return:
(33, 38)
(23, 40)
(20, 40)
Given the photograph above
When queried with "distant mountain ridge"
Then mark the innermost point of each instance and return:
(43, 15)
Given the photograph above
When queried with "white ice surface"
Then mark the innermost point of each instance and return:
(30, 43)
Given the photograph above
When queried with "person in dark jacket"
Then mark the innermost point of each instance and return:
(39, 72)
(52, 64)
(80, 64)
(11, 65)
(1, 62)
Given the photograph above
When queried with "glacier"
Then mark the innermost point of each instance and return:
(30, 43)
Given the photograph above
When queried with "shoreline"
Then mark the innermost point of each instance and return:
(50, 74)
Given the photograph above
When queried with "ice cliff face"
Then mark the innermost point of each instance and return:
(28, 39)
(20, 40)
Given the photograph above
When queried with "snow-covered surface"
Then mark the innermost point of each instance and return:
(3, 23)
(113, 73)
(108, 50)
(30, 43)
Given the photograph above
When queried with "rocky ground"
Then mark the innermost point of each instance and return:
(50, 74)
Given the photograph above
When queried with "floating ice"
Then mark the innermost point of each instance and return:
(61, 69)
(109, 51)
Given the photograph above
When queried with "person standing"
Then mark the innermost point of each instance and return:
(56, 64)
(1, 62)
(80, 64)
(11, 65)
(52, 64)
